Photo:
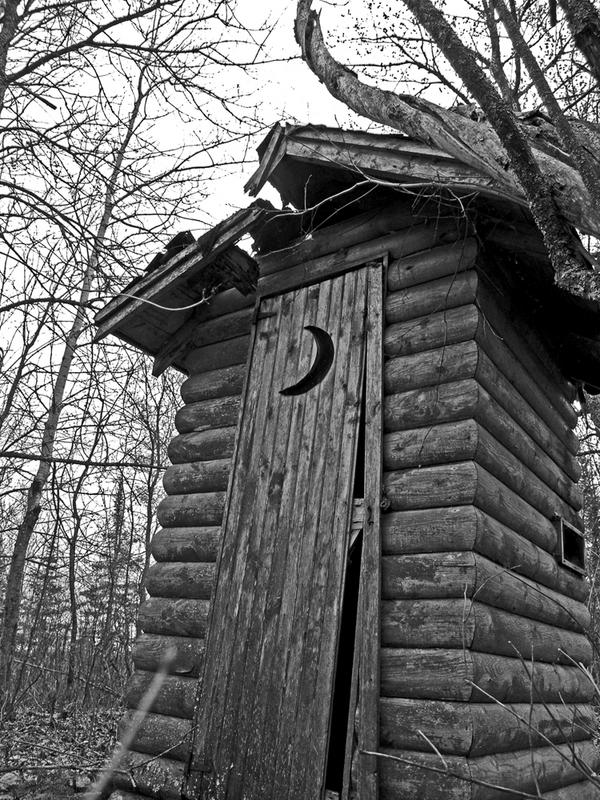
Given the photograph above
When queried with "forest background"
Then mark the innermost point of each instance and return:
(122, 124)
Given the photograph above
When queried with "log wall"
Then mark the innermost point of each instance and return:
(180, 582)
(481, 625)
(482, 628)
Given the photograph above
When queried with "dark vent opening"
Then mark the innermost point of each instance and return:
(571, 547)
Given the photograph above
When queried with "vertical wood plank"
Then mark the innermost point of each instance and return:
(370, 592)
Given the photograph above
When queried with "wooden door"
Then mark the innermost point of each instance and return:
(265, 695)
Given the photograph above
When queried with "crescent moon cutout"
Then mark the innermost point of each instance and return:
(320, 366)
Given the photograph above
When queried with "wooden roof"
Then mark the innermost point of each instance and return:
(331, 175)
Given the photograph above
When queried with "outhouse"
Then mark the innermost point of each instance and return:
(371, 565)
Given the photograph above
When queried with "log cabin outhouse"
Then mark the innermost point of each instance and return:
(371, 561)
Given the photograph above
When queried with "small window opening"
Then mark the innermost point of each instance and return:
(571, 547)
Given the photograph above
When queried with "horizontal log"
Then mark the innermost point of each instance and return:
(222, 328)
(224, 382)
(372, 223)
(431, 331)
(186, 510)
(552, 407)
(428, 265)
(467, 440)
(427, 298)
(544, 767)
(575, 791)
(466, 483)
(462, 623)
(160, 735)
(120, 795)
(452, 362)
(222, 303)
(435, 530)
(477, 729)
(414, 775)
(161, 778)
(174, 617)
(508, 321)
(395, 245)
(467, 360)
(202, 446)
(439, 674)
(188, 653)
(518, 428)
(175, 698)
(180, 579)
(464, 574)
(215, 356)
(197, 477)
(220, 412)
(186, 544)
(422, 776)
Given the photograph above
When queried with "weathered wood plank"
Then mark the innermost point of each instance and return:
(463, 574)
(422, 775)
(429, 298)
(575, 791)
(370, 593)
(215, 356)
(149, 650)
(373, 223)
(477, 729)
(220, 412)
(174, 617)
(438, 262)
(438, 674)
(224, 382)
(191, 510)
(186, 544)
(160, 778)
(451, 362)
(175, 697)
(202, 446)
(197, 477)
(462, 623)
(220, 329)
(435, 530)
(396, 244)
(180, 579)
(432, 331)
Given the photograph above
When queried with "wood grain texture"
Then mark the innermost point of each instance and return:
(477, 729)
(336, 263)
(434, 530)
(431, 297)
(438, 674)
(456, 623)
(191, 510)
(429, 265)
(463, 574)
(370, 590)
(223, 328)
(149, 650)
(216, 356)
(432, 331)
(180, 579)
(223, 382)
(160, 778)
(161, 735)
(197, 477)
(186, 544)
(175, 698)
(202, 446)
(421, 775)
(220, 412)
(179, 617)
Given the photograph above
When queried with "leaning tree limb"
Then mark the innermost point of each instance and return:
(584, 23)
(554, 189)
